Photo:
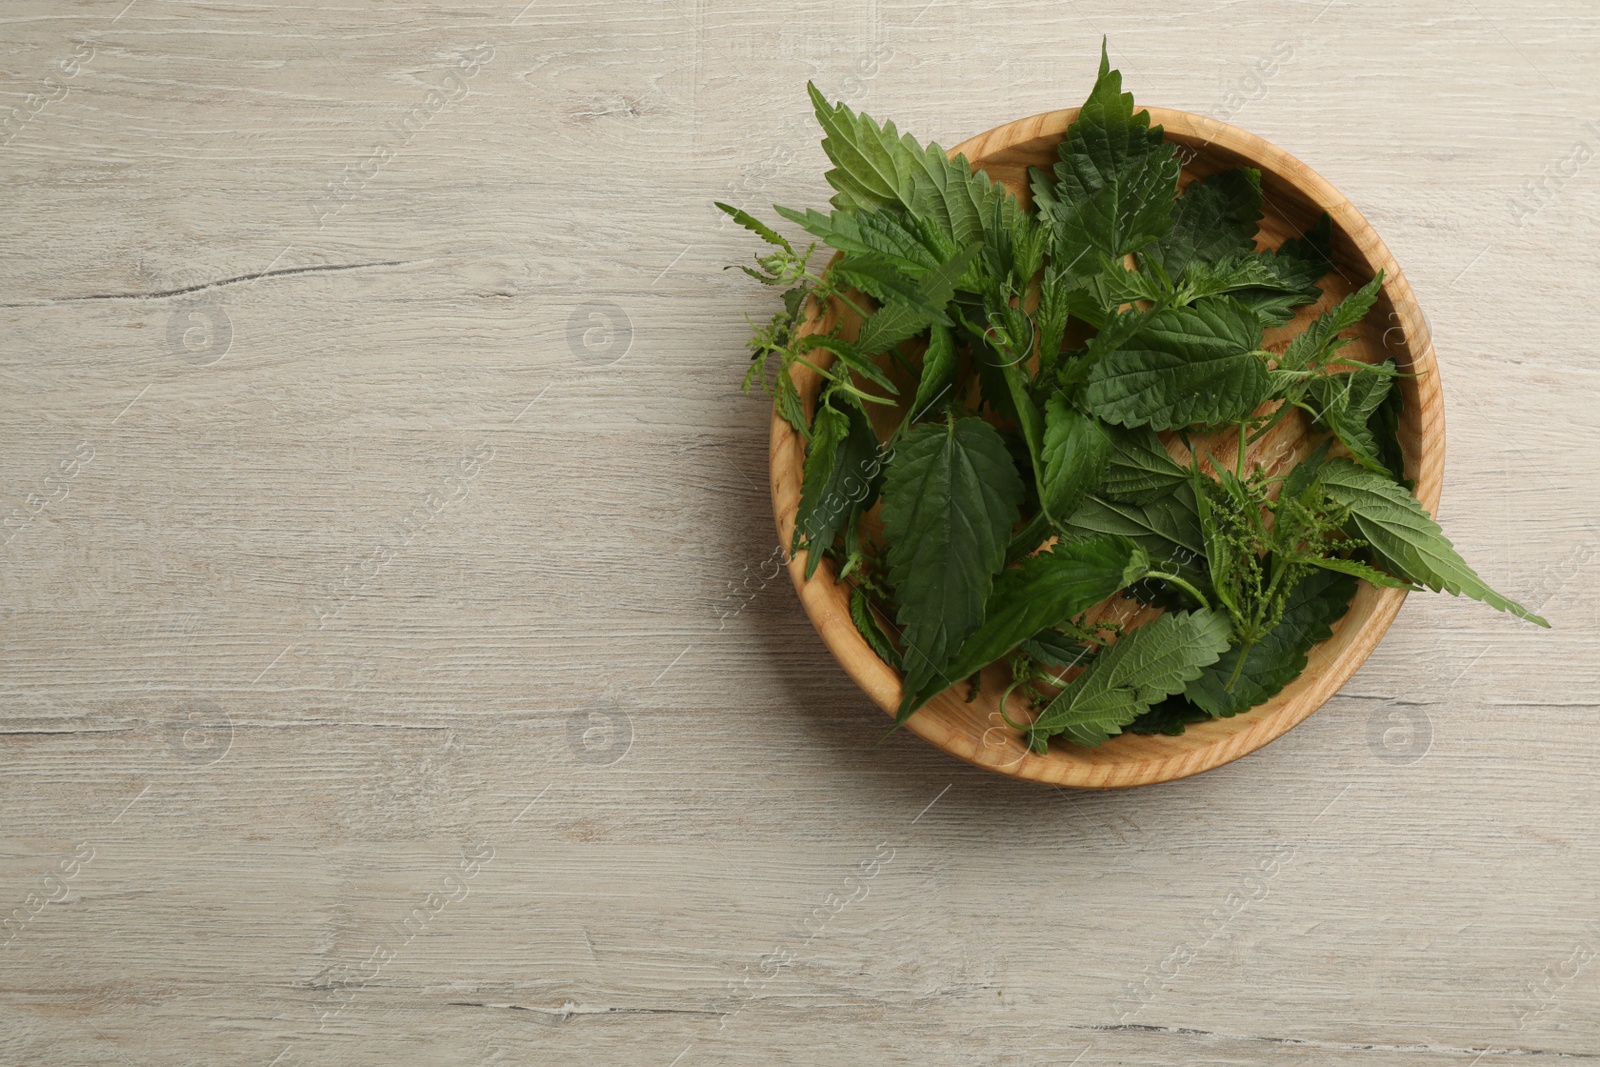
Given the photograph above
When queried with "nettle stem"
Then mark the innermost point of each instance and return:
(1180, 583)
(1244, 650)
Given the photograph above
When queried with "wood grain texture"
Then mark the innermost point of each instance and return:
(303, 604)
(1295, 196)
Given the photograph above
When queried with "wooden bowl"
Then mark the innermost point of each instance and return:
(1295, 196)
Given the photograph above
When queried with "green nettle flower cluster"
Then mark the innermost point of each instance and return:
(985, 461)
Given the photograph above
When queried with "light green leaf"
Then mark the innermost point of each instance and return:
(1315, 345)
(1186, 365)
(882, 279)
(950, 498)
(1145, 665)
(755, 226)
(1392, 521)
(850, 356)
(875, 167)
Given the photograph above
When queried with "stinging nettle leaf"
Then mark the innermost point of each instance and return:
(1143, 667)
(1320, 600)
(843, 465)
(1044, 591)
(1216, 217)
(950, 498)
(896, 322)
(1186, 365)
(1345, 404)
(876, 167)
(1395, 525)
(1115, 181)
(1140, 469)
(1075, 451)
(866, 621)
(1319, 341)
(755, 226)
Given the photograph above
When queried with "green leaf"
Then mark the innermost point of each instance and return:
(1115, 181)
(1315, 345)
(875, 167)
(881, 278)
(949, 500)
(850, 356)
(1356, 569)
(1298, 264)
(1235, 274)
(1384, 425)
(938, 374)
(896, 322)
(1169, 717)
(1075, 453)
(1145, 665)
(1320, 600)
(1186, 365)
(1056, 649)
(755, 226)
(866, 621)
(1167, 527)
(1304, 472)
(1140, 469)
(1345, 404)
(1409, 542)
(865, 233)
(1045, 591)
(842, 468)
(1216, 217)
(828, 431)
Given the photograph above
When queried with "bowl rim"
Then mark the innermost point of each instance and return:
(1331, 663)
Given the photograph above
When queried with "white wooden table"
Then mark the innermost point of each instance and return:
(389, 670)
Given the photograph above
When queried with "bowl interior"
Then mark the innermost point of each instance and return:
(1295, 197)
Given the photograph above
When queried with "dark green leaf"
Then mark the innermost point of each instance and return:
(1216, 217)
(1186, 365)
(1044, 591)
(1075, 452)
(830, 489)
(949, 500)
(1319, 601)
(1141, 469)
(1115, 181)
(866, 621)
(938, 374)
(1167, 527)
(1169, 717)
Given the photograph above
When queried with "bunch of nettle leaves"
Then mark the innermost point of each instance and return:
(1022, 363)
